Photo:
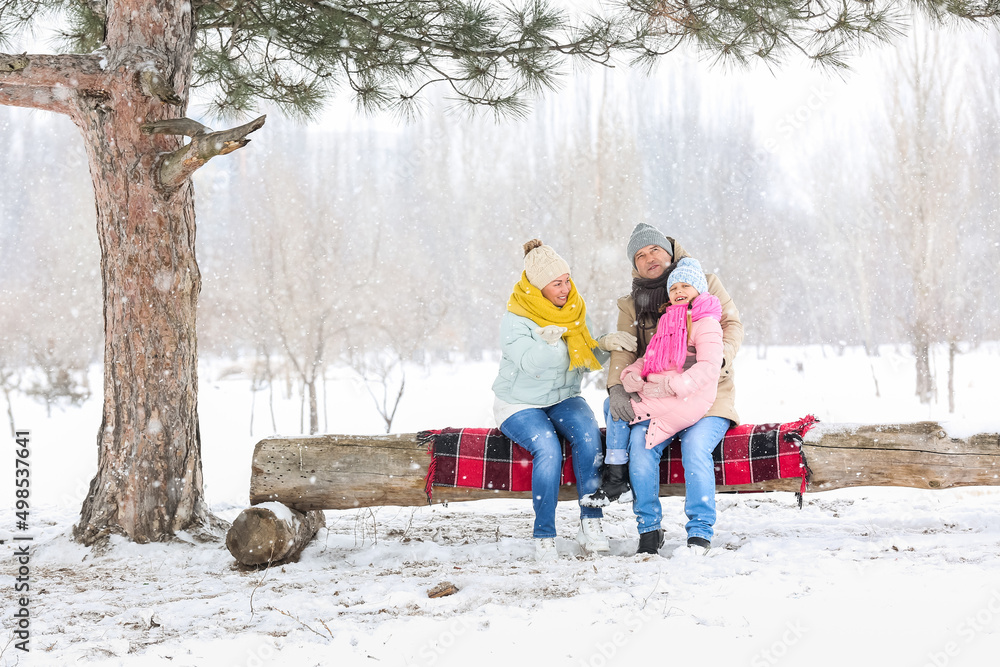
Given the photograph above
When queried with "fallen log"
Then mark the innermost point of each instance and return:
(344, 472)
(272, 533)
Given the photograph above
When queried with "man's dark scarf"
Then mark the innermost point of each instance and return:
(649, 296)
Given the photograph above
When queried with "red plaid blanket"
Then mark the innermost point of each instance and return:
(483, 458)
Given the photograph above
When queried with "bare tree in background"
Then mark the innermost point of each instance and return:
(978, 247)
(13, 352)
(9, 381)
(847, 212)
(304, 276)
(600, 195)
(924, 171)
(984, 250)
(263, 378)
(384, 376)
(401, 317)
(50, 302)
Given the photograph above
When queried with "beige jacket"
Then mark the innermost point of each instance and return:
(732, 337)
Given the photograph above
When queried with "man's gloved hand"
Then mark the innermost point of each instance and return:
(618, 341)
(621, 403)
(551, 333)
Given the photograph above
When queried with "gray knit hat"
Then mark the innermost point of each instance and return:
(689, 271)
(644, 235)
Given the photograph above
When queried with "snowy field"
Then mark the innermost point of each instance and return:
(869, 576)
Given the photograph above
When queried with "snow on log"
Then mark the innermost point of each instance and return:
(344, 472)
(271, 533)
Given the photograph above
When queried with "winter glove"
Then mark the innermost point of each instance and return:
(632, 382)
(551, 333)
(658, 386)
(621, 403)
(617, 341)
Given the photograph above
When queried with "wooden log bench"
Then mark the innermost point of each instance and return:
(312, 473)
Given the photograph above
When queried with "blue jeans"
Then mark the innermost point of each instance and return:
(697, 443)
(618, 437)
(538, 430)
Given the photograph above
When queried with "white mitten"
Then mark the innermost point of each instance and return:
(617, 341)
(551, 333)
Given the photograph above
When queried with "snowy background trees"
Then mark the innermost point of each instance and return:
(854, 211)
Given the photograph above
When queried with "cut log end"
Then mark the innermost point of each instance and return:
(265, 535)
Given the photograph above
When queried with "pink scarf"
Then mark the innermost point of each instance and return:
(668, 347)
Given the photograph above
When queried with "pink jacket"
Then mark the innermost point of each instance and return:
(674, 400)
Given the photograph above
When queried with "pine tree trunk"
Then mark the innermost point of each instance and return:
(149, 480)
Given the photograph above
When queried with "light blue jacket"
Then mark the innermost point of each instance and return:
(532, 372)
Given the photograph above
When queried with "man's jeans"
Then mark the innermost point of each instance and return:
(538, 430)
(697, 443)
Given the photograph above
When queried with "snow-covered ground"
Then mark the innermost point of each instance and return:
(868, 576)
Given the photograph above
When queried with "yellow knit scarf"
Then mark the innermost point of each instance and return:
(527, 301)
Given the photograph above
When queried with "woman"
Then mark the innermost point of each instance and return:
(547, 347)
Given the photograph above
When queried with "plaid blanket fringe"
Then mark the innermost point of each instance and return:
(482, 458)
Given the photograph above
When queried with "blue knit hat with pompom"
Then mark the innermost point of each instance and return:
(688, 270)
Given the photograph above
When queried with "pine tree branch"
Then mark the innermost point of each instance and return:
(507, 50)
(48, 82)
(294, 53)
(180, 126)
(33, 98)
(48, 71)
(177, 167)
(736, 30)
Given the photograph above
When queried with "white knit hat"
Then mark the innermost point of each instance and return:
(541, 263)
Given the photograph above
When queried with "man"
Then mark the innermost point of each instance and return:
(652, 256)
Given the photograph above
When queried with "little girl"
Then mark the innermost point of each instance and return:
(675, 382)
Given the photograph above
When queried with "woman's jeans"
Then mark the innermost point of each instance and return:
(697, 443)
(538, 430)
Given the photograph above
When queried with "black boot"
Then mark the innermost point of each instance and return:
(699, 545)
(650, 543)
(615, 487)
